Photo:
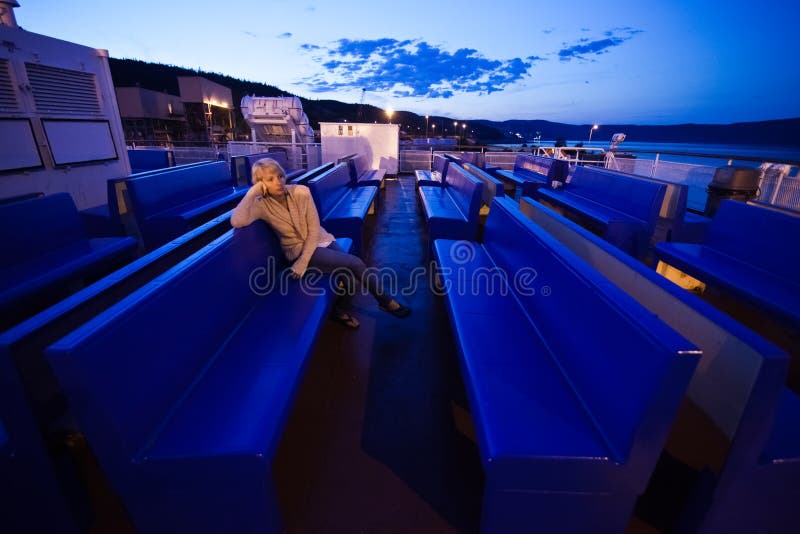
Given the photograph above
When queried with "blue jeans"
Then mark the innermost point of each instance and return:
(351, 268)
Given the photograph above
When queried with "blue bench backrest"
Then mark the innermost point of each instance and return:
(637, 197)
(155, 193)
(440, 164)
(34, 227)
(146, 159)
(584, 326)
(132, 363)
(358, 166)
(465, 190)
(313, 173)
(550, 168)
(759, 236)
(492, 187)
(242, 166)
(329, 187)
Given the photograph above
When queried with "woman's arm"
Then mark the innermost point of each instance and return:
(312, 239)
(245, 213)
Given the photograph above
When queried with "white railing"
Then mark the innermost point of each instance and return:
(298, 155)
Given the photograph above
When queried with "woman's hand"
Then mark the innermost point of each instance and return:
(259, 189)
(298, 269)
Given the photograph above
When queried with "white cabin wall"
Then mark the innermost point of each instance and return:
(379, 142)
(84, 180)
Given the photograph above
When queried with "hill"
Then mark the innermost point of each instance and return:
(159, 77)
(784, 132)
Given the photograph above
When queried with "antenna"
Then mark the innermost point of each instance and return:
(361, 105)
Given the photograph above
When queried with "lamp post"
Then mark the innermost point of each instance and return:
(433, 127)
(464, 132)
(591, 131)
(426, 125)
(389, 113)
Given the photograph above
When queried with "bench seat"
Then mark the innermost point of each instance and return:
(761, 287)
(739, 389)
(451, 212)
(176, 200)
(195, 453)
(436, 176)
(624, 207)
(569, 424)
(46, 253)
(533, 172)
(747, 253)
(342, 207)
(362, 175)
(84, 259)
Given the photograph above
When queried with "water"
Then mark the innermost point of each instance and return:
(762, 153)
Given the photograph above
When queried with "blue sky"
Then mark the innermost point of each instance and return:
(646, 62)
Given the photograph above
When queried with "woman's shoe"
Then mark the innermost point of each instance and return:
(401, 312)
(345, 319)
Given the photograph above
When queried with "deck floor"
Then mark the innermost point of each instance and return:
(380, 438)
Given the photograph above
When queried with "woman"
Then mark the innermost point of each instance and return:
(291, 213)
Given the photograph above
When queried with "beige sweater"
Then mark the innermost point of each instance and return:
(297, 228)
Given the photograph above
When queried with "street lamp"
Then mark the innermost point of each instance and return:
(455, 128)
(426, 125)
(389, 113)
(591, 131)
(464, 131)
(433, 127)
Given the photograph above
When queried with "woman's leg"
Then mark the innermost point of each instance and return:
(334, 258)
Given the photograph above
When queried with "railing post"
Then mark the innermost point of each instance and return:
(654, 167)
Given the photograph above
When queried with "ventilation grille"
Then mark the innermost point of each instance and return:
(8, 98)
(63, 91)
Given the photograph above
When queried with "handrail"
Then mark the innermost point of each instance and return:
(714, 156)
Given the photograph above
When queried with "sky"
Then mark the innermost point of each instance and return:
(580, 62)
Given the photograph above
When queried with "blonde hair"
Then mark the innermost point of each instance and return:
(265, 165)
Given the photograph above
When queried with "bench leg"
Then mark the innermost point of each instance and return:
(512, 511)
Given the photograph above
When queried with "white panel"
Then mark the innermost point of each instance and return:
(380, 143)
(18, 149)
(79, 141)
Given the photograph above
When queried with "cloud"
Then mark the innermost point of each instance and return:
(286, 35)
(585, 48)
(548, 31)
(251, 34)
(411, 68)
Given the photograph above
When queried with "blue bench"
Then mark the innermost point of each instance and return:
(111, 219)
(749, 252)
(622, 208)
(436, 176)
(362, 174)
(452, 212)
(46, 253)
(242, 167)
(172, 202)
(150, 159)
(570, 421)
(342, 208)
(194, 452)
(492, 187)
(313, 173)
(739, 387)
(29, 395)
(532, 172)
